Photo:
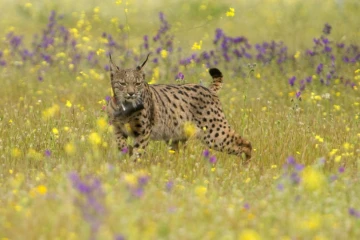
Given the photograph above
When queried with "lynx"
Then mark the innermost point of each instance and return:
(160, 112)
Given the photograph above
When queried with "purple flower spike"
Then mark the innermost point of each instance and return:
(341, 169)
(319, 68)
(298, 94)
(292, 80)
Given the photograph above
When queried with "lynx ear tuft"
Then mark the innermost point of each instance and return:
(112, 65)
(142, 65)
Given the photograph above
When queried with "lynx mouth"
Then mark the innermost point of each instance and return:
(127, 108)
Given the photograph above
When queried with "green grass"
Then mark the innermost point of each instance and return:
(183, 196)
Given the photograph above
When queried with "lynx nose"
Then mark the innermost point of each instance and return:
(131, 94)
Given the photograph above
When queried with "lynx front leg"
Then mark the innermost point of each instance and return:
(141, 135)
(121, 138)
(140, 144)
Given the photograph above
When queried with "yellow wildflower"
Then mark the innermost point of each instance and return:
(320, 139)
(337, 107)
(69, 148)
(28, 5)
(96, 10)
(313, 222)
(200, 191)
(338, 158)
(101, 124)
(94, 138)
(197, 46)
(164, 53)
(333, 152)
(55, 131)
(130, 179)
(68, 104)
(15, 152)
(189, 129)
(231, 12)
(313, 179)
(41, 189)
(249, 234)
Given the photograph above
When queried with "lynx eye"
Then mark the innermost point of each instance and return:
(122, 83)
(138, 84)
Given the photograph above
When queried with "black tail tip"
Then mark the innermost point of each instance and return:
(215, 73)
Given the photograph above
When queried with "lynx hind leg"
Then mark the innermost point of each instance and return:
(228, 141)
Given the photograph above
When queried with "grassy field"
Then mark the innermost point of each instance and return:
(292, 79)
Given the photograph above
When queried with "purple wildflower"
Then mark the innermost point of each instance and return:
(47, 153)
(218, 35)
(291, 160)
(292, 80)
(319, 68)
(143, 180)
(298, 94)
(295, 178)
(333, 178)
(309, 79)
(247, 206)
(353, 212)
(327, 49)
(341, 169)
(325, 40)
(119, 237)
(107, 98)
(212, 159)
(206, 153)
(89, 201)
(180, 76)
(169, 186)
(340, 45)
(327, 29)
(280, 187)
(125, 150)
(299, 167)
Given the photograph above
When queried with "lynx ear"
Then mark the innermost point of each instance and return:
(142, 65)
(112, 65)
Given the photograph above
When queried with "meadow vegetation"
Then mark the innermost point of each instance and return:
(292, 77)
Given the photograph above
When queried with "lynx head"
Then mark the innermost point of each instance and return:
(127, 84)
